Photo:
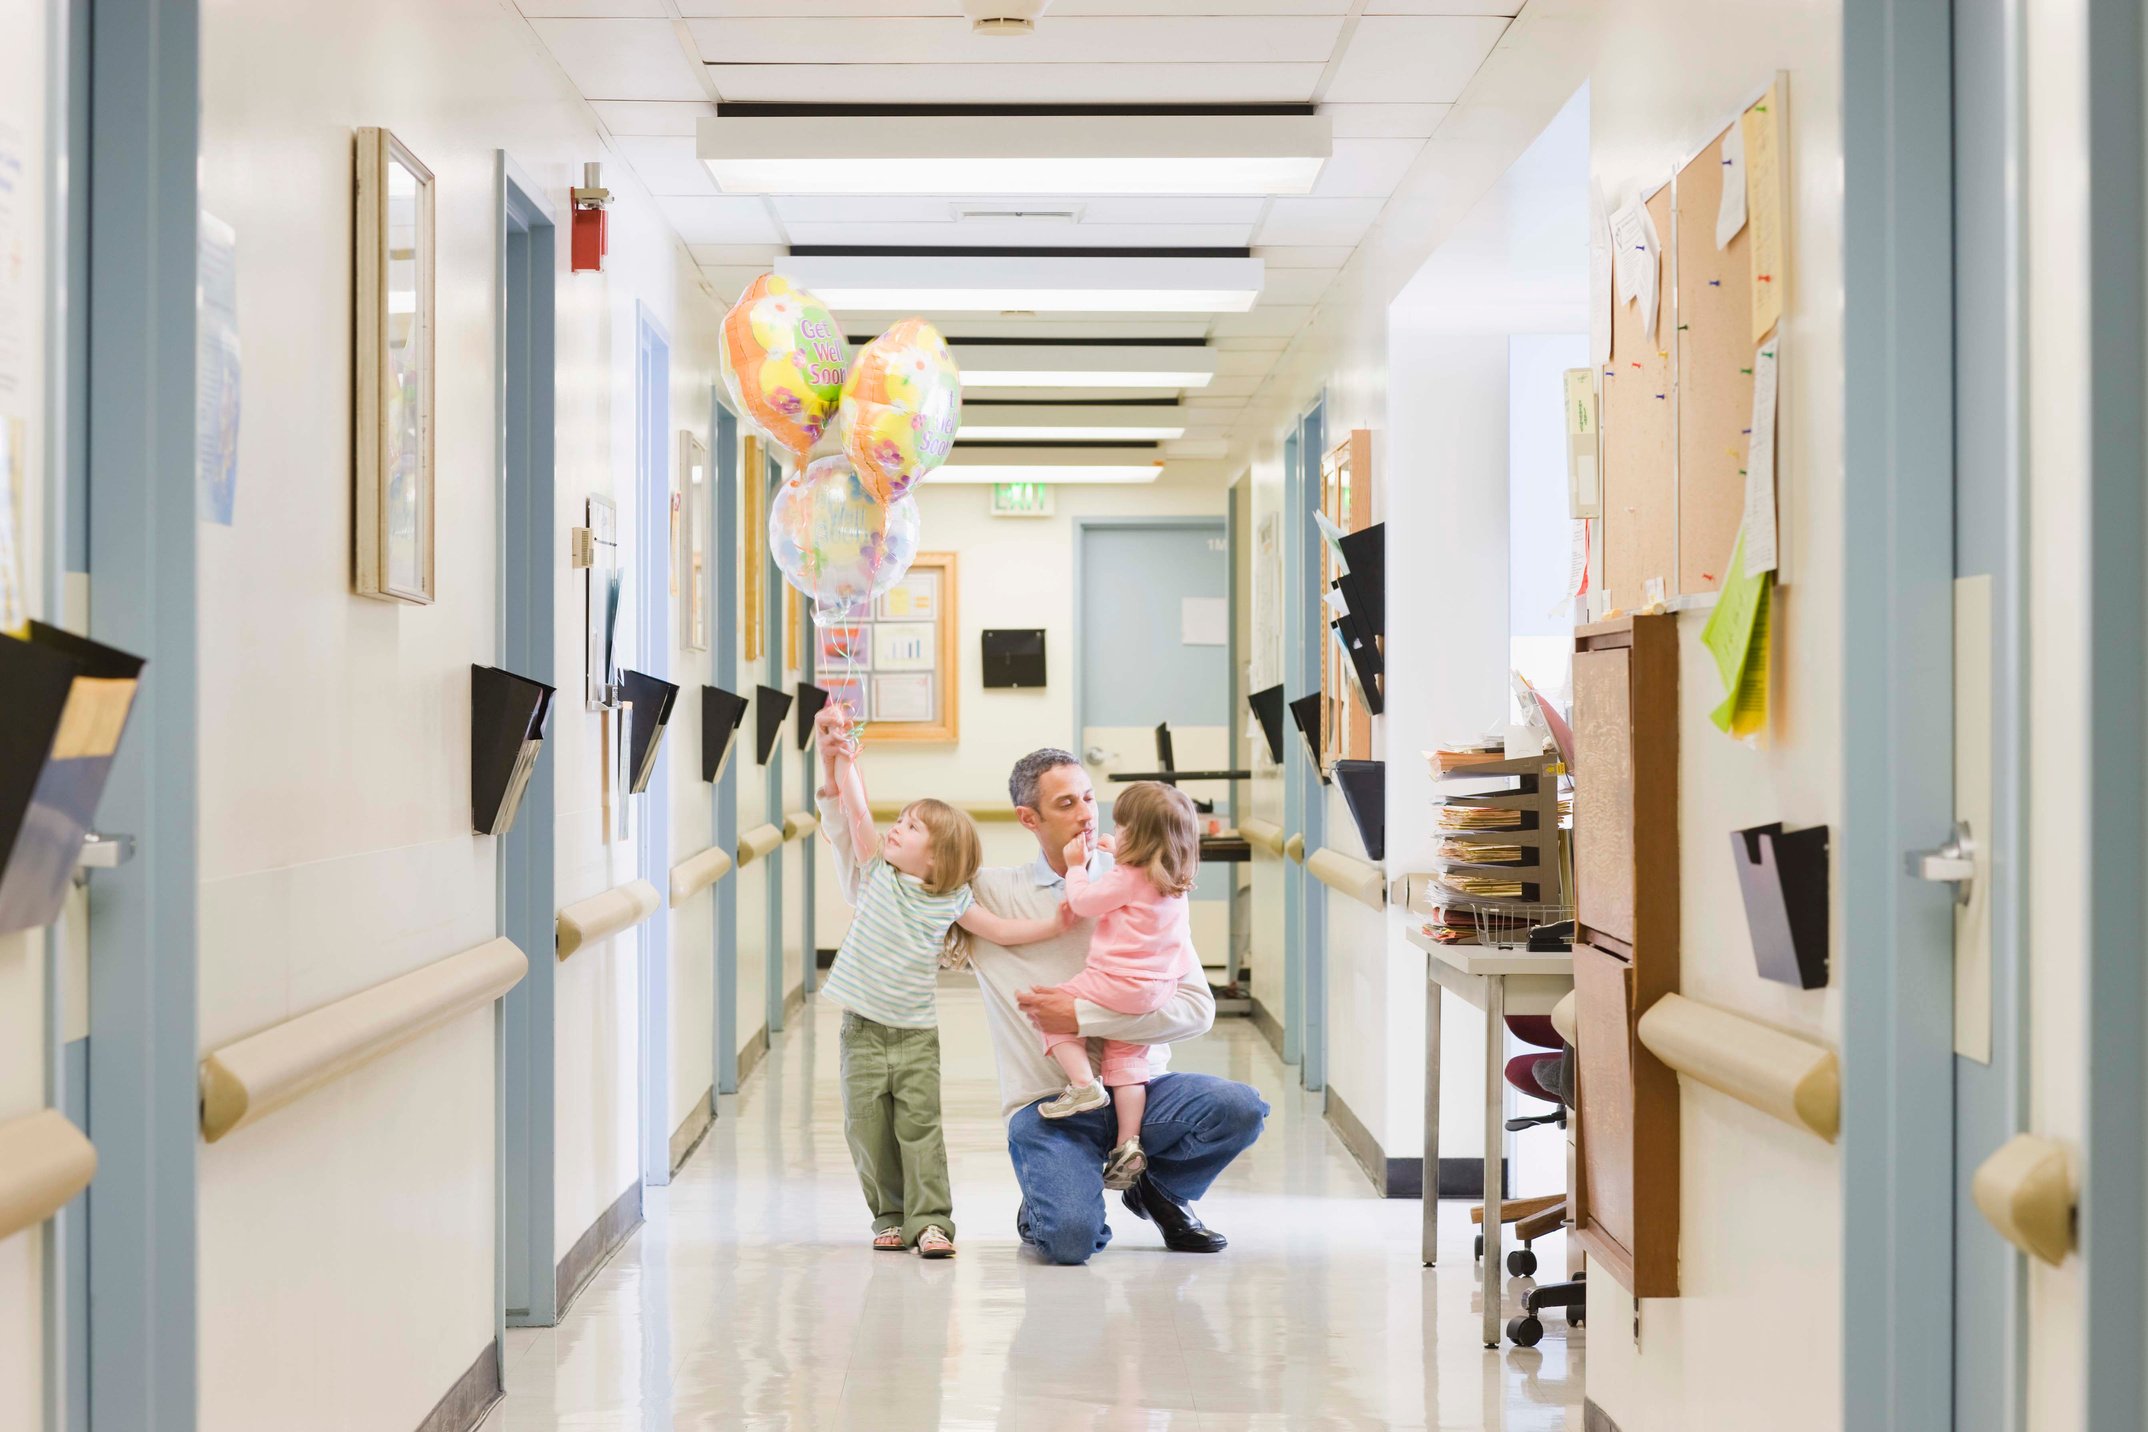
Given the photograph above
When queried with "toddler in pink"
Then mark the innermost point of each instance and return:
(1139, 952)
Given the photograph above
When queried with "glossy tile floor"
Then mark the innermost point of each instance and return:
(750, 1298)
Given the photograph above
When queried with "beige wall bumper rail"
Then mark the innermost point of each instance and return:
(697, 873)
(1294, 848)
(1362, 882)
(2026, 1189)
(1793, 1079)
(601, 916)
(263, 1072)
(44, 1162)
(759, 841)
(1265, 834)
(798, 823)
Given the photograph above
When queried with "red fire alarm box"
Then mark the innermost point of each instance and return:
(591, 240)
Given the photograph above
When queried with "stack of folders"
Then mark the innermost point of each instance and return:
(1449, 760)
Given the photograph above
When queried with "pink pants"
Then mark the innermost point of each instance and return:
(1122, 994)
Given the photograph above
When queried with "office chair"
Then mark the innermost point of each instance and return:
(1533, 1217)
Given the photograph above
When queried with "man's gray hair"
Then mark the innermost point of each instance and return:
(1022, 784)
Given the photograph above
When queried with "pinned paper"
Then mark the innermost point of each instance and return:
(1736, 636)
(1758, 529)
(1764, 197)
(1629, 242)
(1730, 213)
(1584, 486)
(1577, 572)
(1600, 280)
(1651, 280)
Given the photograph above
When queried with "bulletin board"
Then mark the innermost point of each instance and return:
(895, 665)
(1715, 375)
(1346, 499)
(1638, 421)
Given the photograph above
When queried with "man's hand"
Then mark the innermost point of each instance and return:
(1050, 1010)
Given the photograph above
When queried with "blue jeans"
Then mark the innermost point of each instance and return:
(1195, 1124)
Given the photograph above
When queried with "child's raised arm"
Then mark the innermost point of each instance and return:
(1000, 930)
(851, 833)
(1087, 898)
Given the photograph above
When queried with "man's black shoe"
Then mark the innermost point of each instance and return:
(1183, 1231)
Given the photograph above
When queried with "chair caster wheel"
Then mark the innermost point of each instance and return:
(1574, 1318)
(1525, 1331)
(1521, 1263)
(1480, 1247)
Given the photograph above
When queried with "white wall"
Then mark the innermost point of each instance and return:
(335, 849)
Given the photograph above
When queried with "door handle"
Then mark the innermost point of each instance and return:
(1096, 755)
(102, 852)
(1953, 862)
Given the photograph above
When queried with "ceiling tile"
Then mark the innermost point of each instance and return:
(1318, 221)
(622, 59)
(673, 118)
(730, 280)
(721, 220)
(1362, 168)
(762, 255)
(1416, 59)
(592, 9)
(666, 165)
(1296, 285)
(1232, 386)
(1239, 344)
(1327, 256)
(1268, 320)
(1132, 83)
(1385, 121)
(1058, 40)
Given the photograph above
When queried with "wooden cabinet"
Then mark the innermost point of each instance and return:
(1626, 944)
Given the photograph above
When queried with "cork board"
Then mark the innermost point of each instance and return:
(1603, 792)
(1715, 375)
(1638, 429)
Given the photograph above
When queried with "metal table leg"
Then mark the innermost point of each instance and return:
(1431, 1178)
(1495, 1028)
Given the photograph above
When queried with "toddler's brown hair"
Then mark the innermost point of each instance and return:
(1159, 832)
(951, 837)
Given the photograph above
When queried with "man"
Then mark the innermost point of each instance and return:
(1195, 1124)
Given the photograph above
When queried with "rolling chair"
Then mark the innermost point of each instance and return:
(1547, 1076)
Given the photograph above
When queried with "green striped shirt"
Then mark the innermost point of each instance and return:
(890, 960)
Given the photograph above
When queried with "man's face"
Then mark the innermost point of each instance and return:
(1066, 808)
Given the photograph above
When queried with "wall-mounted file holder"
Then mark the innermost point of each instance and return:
(507, 716)
(770, 706)
(811, 699)
(1783, 876)
(1366, 665)
(1267, 705)
(722, 712)
(1364, 788)
(66, 707)
(652, 701)
(1306, 712)
(1365, 553)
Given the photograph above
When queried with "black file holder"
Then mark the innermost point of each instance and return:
(1783, 876)
(770, 706)
(1364, 552)
(67, 704)
(722, 713)
(507, 716)
(652, 700)
(811, 699)
(1306, 712)
(1013, 657)
(1364, 788)
(1267, 705)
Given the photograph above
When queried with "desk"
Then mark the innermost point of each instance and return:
(1500, 982)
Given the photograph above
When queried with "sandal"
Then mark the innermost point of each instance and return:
(934, 1243)
(890, 1240)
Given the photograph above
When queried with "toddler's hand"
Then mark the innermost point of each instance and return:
(1076, 853)
(1108, 843)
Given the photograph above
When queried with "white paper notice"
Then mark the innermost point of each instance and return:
(1204, 621)
(1651, 276)
(1730, 213)
(1760, 465)
(1577, 576)
(1629, 241)
(1600, 280)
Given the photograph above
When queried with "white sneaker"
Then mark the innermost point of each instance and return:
(1076, 1099)
(1126, 1164)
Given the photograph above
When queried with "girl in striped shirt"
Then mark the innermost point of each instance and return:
(909, 897)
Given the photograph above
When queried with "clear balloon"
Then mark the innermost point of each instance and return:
(783, 361)
(835, 541)
(902, 402)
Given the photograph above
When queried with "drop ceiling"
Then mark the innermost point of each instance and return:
(1384, 72)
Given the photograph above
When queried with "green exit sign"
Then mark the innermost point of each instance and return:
(1021, 499)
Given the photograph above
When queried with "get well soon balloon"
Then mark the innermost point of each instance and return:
(901, 405)
(834, 540)
(783, 361)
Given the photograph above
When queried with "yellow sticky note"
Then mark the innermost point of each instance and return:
(1762, 129)
(1736, 636)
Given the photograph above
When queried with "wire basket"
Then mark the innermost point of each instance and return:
(1505, 924)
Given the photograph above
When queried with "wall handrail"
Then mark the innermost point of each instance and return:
(798, 823)
(1294, 848)
(697, 873)
(1780, 1074)
(2026, 1189)
(762, 840)
(44, 1162)
(1361, 881)
(603, 915)
(1263, 833)
(253, 1077)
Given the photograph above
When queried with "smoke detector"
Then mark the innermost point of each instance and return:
(1003, 17)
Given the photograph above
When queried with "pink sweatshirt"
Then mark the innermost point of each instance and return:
(1141, 933)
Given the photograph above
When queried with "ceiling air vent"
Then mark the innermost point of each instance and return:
(1003, 17)
(1016, 213)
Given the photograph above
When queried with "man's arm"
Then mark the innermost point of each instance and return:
(1189, 1014)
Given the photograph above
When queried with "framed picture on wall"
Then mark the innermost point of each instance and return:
(843, 646)
(392, 506)
(905, 646)
(916, 598)
(904, 697)
(908, 676)
(695, 478)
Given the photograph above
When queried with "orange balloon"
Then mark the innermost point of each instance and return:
(783, 361)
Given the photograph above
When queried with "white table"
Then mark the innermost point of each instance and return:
(1500, 982)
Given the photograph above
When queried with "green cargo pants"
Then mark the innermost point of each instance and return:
(891, 1118)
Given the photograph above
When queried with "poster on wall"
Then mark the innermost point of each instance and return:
(903, 697)
(903, 646)
(216, 372)
(915, 598)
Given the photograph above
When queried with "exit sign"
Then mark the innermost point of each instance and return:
(1021, 499)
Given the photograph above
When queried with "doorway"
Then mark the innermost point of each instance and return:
(725, 605)
(652, 823)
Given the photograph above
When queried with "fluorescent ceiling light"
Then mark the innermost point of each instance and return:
(998, 283)
(1054, 465)
(1017, 153)
(1058, 365)
(1063, 422)
(1096, 473)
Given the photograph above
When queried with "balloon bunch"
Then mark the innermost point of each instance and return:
(844, 526)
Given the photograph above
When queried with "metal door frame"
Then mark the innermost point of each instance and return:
(724, 604)
(772, 596)
(1304, 637)
(652, 819)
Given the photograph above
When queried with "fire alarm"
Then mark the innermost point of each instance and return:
(592, 238)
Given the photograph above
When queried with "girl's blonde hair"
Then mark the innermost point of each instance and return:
(1158, 832)
(955, 851)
